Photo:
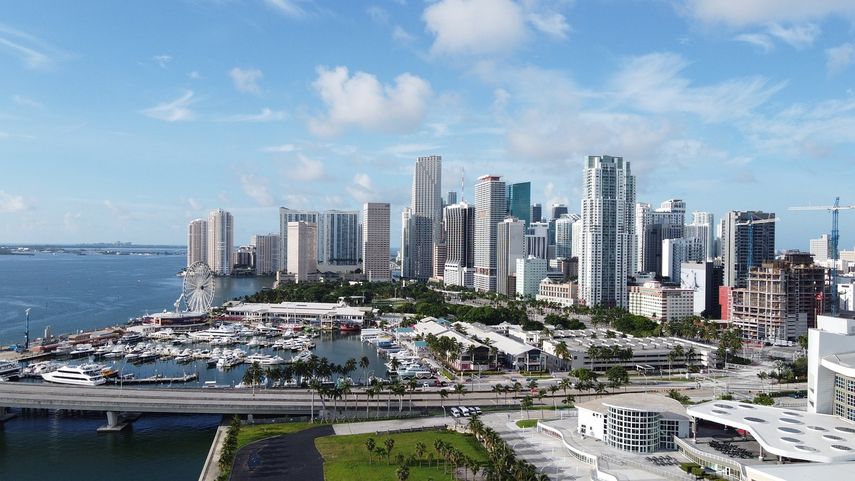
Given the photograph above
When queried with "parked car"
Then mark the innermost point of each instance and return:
(474, 410)
(464, 411)
(455, 412)
(438, 383)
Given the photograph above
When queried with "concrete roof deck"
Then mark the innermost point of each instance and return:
(637, 402)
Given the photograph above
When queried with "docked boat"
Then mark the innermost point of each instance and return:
(10, 370)
(82, 375)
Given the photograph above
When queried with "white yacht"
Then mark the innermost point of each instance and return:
(10, 370)
(82, 375)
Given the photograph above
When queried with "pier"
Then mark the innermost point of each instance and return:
(158, 379)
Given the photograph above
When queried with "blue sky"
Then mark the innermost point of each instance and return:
(124, 120)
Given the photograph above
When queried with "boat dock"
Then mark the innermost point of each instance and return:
(159, 379)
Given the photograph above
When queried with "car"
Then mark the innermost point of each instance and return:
(438, 383)
(464, 411)
(474, 409)
(455, 412)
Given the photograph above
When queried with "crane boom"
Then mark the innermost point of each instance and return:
(824, 207)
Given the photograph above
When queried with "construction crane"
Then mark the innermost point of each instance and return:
(751, 223)
(835, 238)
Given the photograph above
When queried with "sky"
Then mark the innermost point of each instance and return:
(122, 121)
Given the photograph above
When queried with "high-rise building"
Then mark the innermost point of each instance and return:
(303, 247)
(536, 213)
(702, 228)
(243, 259)
(519, 201)
(741, 232)
(510, 246)
(608, 230)
(677, 251)
(220, 242)
(654, 226)
(375, 242)
(197, 242)
(490, 209)
(460, 245)
(287, 215)
(339, 238)
(426, 215)
(266, 253)
(530, 271)
(558, 210)
(564, 235)
(576, 251)
(779, 302)
(704, 280)
(536, 240)
(821, 249)
(407, 233)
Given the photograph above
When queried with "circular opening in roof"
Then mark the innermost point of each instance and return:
(844, 429)
(816, 428)
(746, 406)
(719, 411)
(785, 429)
(725, 406)
(841, 447)
(791, 440)
(754, 420)
(790, 413)
(832, 437)
(807, 449)
(789, 420)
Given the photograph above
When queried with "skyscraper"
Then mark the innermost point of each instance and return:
(558, 210)
(287, 215)
(607, 232)
(220, 242)
(655, 226)
(530, 271)
(702, 229)
(738, 236)
(820, 248)
(407, 233)
(375, 242)
(490, 209)
(426, 215)
(510, 246)
(460, 243)
(303, 247)
(339, 238)
(266, 253)
(536, 240)
(519, 201)
(564, 235)
(536, 212)
(451, 198)
(197, 241)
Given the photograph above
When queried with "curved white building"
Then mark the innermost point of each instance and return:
(642, 423)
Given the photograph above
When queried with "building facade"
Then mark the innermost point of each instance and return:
(490, 209)
(642, 423)
(339, 239)
(831, 367)
(266, 254)
(530, 271)
(661, 303)
(303, 245)
(375, 242)
(460, 245)
(197, 242)
(519, 201)
(740, 233)
(608, 231)
(287, 215)
(510, 246)
(220, 242)
(426, 215)
(821, 249)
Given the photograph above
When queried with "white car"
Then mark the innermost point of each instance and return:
(464, 411)
(455, 412)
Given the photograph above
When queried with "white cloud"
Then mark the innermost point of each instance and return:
(34, 52)
(194, 75)
(746, 12)
(475, 26)
(654, 83)
(307, 169)
(378, 14)
(401, 36)
(27, 102)
(289, 8)
(408, 150)
(266, 115)
(839, 57)
(193, 203)
(174, 111)
(553, 197)
(799, 36)
(11, 203)
(280, 148)
(256, 189)
(362, 188)
(246, 80)
(759, 40)
(162, 60)
(362, 101)
(552, 23)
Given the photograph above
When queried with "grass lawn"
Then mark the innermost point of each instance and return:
(527, 423)
(251, 433)
(346, 459)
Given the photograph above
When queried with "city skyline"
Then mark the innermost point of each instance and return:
(210, 110)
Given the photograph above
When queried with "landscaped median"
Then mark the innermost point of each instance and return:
(526, 423)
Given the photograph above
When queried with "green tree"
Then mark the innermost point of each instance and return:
(370, 445)
(403, 472)
(617, 376)
(389, 443)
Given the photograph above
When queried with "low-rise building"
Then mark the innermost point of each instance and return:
(659, 302)
(511, 352)
(530, 271)
(642, 423)
(831, 367)
(561, 293)
(316, 312)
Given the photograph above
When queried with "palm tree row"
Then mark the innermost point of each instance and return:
(503, 465)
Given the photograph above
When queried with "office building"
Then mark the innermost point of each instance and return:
(220, 242)
(654, 226)
(677, 251)
(510, 246)
(704, 280)
(558, 210)
(742, 231)
(660, 303)
(530, 271)
(536, 213)
(490, 209)
(302, 246)
(425, 217)
(407, 232)
(375, 242)
(266, 254)
(608, 231)
(451, 198)
(286, 216)
(460, 245)
(701, 232)
(564, 294)
(519, 202)
(821, 249)
(197, 242)
(780, 300)
(536, 240)
(243, 260)
(564, 235)
(339, 240)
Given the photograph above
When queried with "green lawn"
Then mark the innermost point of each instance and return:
(251, 433)
(527, 423)
(346, 459)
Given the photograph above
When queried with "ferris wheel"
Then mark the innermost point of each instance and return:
(198, 292)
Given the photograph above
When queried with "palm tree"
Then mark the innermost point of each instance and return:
(526, 403)
(496, 388)
(403, 472)
(253, 376)
(349, 367)
(569, 400)
(562, 352)
(565, 384)
(370, 445)
(459, 389)
(395, 363)
(390, 444)
(412, 385)
(420, 451)
(443, 395)
(399, 390)
(552, 390)
(364, 363)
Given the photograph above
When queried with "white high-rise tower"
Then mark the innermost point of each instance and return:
(490, 209)
(220, 242)
(608, 225)
(426, 217)
(197, 241)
